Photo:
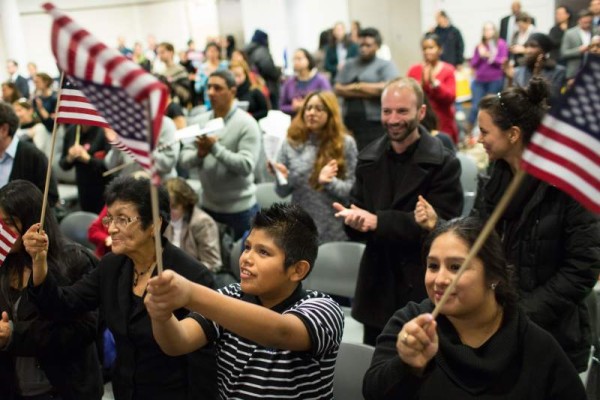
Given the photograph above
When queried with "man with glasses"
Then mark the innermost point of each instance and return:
(360, 83)
(226, 163)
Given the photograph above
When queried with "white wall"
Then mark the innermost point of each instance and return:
(291, 23)
(174, 21)
(469, 16)
(398, 22)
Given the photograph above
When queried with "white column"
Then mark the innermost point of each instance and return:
(13, 40)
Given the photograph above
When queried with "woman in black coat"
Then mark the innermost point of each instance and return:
(40, 356)
(246, 92)
(553, 242)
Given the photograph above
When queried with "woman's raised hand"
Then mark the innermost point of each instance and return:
(36, 244)
(417, 342)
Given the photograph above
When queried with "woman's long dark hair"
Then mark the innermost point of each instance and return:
(21, 201)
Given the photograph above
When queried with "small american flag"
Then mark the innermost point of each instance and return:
(7, 239)
(565, 150)
(75, 108)
(130, 99)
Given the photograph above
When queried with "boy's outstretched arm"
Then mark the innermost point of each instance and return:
(170, 291)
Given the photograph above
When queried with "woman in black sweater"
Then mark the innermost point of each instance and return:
(481, 345)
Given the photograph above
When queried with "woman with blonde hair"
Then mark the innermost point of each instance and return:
(247, 91)
(191, 229)
(318, 159)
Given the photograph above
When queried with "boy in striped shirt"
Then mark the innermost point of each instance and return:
(274, 339)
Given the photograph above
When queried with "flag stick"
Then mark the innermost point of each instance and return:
(77, 134)
(485, 232)
(154, 196)
(51, 156)
(156, 221)
(116, 169)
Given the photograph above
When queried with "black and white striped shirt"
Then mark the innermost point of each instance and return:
(247, 370)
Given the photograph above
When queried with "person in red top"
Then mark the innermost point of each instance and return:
(98, 235)
(438, 82)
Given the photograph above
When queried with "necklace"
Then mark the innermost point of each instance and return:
(137, 275)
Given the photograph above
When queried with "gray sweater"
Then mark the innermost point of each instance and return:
(300, 162)
(227, 172)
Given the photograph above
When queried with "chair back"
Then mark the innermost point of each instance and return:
(236, 252)
(468, 180)
(353, 361)
(266, 196)
(75, 227)
(336, 268)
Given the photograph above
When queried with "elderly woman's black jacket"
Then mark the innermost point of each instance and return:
(142, 370)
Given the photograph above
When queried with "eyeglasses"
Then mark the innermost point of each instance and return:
(121, 222)
(317, 108)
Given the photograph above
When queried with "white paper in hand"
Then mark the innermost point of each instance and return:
(189, 134)
(275, 126)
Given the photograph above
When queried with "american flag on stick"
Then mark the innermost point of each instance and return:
(75, 108)
(7, 239)
(129, 99)
(565, 149)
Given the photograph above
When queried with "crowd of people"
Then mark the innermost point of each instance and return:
(369, 156)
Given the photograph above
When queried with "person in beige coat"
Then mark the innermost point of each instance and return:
(192, 229)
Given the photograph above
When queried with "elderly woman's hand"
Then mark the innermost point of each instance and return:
(418, 342)
(167, 292)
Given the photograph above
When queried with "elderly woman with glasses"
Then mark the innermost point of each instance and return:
(318, 159)
(118, 287)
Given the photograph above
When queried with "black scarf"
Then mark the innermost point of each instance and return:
(482, 369)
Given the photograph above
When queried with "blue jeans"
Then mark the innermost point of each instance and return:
(478, 91)
(240, 222)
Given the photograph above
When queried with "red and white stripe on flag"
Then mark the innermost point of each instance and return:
(121, 91)
(75, 108)
(7, 239)
(565, 149)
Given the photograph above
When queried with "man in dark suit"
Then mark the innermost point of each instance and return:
(19, 159)
(391, 173)
(575, 43)
(12, 67)
(508, 24)
(595, 9)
